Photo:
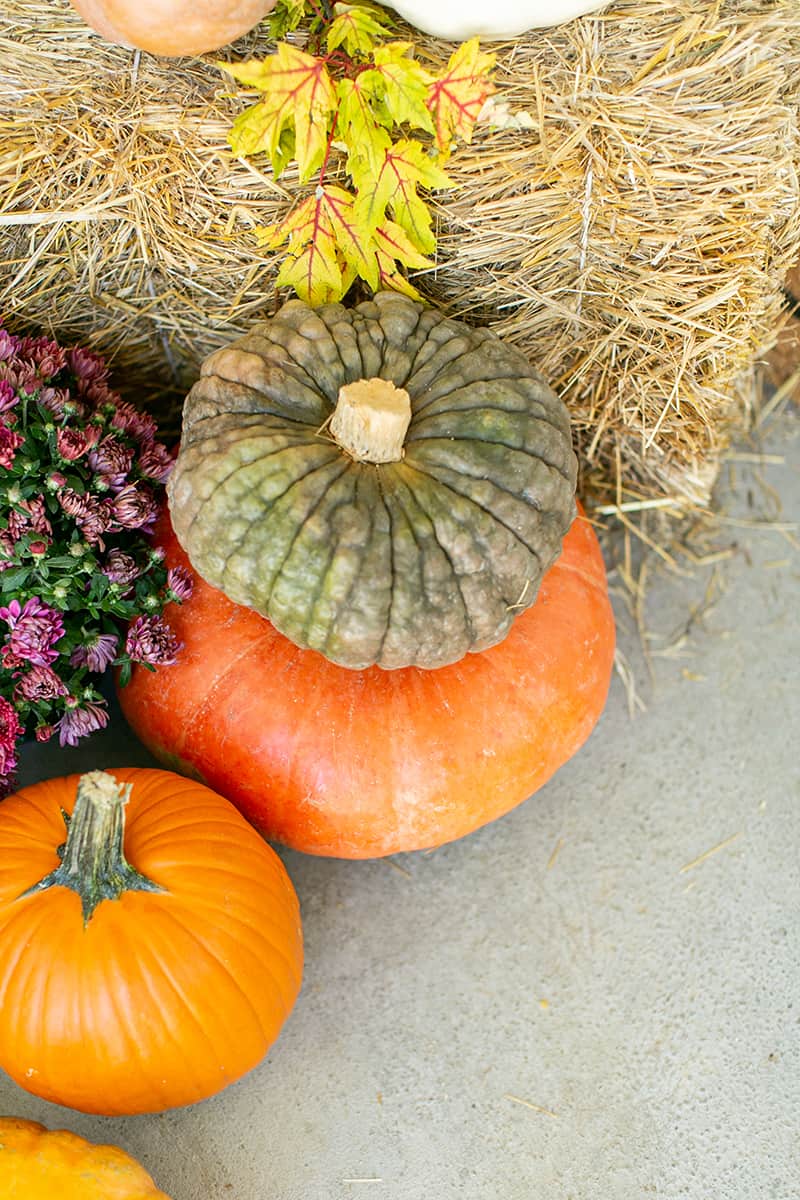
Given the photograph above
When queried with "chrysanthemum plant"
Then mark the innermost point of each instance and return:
(82, 587)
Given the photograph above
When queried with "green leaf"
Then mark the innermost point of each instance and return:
(357, 126)
(458, 94)
(299, 98)
(355, 27)
(401, 84)
(285, 17)
(405, 167)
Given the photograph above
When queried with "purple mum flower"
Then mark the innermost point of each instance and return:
(134, 507)
(150, 640)
(121, 567)
(86, 366)
(78, 722)
(97, 653)
(34, 631)
(180, 582)
(8, 396)
(140, 427)
(10, 730)
(48, 356)
(156, 462)
(91, 516)
(112, 461)
(9, 345)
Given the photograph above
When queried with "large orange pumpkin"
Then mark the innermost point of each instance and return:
(42, 1164)
(360, 763)
(144, 965)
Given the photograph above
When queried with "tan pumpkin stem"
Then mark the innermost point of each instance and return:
(93, 862)
(371, 420)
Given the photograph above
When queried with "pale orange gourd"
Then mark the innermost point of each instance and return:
(144, 973)
(173, 27)
(42, 1164)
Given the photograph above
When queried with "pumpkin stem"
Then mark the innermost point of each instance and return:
(371, 419)
(93, 862)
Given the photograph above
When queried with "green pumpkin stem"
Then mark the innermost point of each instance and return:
(93, 862)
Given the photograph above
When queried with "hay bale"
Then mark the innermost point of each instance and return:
(633, 242)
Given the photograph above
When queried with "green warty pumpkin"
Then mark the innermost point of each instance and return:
(401, 521)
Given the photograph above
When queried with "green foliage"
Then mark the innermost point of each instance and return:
(352, 97)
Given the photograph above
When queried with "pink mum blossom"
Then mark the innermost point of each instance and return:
(10, 442)
(97, 653)
(34, 631)
(44, 733)
(72, 444)
(33, 519)
(8, 395)
(78, 722)
(150, 640)
(54, 400)
(9, 345)
(138, 425)
(121, 567)
(112, 461)
(180, 582)
(91, 516)
(134, 507)
(40, 683)
(156, 462)
(10, 730)
(88, 367)
(48, 356)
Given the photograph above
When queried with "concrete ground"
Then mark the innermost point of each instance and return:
(595, 998)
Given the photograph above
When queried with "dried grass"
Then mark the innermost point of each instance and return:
(633, 243)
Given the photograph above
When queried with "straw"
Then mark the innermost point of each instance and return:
(633, 242)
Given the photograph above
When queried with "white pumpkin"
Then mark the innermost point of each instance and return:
(494, 20)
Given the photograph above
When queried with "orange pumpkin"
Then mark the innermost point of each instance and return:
(39, 1164)
(358, 763)
(173, 27)
(147, 962)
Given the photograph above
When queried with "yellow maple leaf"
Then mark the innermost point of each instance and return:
(405, 166)
(458, 94)
(299, 96)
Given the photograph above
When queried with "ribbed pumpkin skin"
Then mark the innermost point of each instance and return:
(363, 763)
(163, 998)
(173, 27)
(416, 562)
(37, 1164)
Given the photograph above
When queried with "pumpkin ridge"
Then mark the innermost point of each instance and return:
(195, 937)
(316, 593)
(421, 416)
(233, 471)
(300, 528)
(307, 383)
(500, 590)
(404, 579)
(394, 590)
(141, 953)
(468, 619)
(443, 483)
(409, 495)
(484, 441)
(237, 546)
(459, 387)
